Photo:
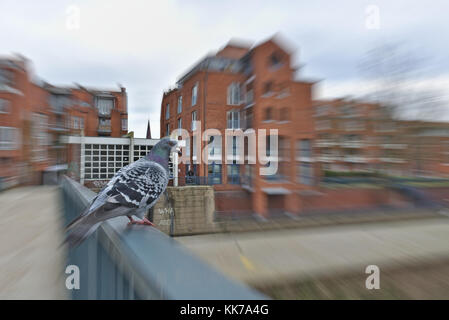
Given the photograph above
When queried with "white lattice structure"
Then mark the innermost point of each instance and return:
(101, 157)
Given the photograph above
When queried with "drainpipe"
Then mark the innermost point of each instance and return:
(204, 117)
(82, 147)
(131, 149)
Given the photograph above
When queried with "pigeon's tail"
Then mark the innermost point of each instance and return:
(80, 228)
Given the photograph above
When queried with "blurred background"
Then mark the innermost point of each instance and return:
(357, 93)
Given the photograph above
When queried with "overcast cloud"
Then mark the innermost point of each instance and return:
(146, 45)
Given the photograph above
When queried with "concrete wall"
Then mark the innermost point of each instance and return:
(193, 208)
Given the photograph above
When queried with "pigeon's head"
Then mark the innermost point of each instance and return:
(163, 149)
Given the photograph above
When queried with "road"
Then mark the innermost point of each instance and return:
(268, 257)
(31, 259)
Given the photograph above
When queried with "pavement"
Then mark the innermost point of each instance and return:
(272, 256)
(31, 259)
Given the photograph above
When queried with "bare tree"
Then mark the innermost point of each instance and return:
(395, 75)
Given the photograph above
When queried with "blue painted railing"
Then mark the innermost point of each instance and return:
(140, 262)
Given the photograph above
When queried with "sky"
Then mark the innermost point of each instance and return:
(147, 45)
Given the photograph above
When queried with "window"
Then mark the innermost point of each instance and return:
(40, 137)
(249, 96)
(385, 126)
(124, 124)
(6, 77)
(194, 118)
(284, 114)
(214, 146)
(8, 138)
(234, 93)
(323, 124)
(102, 161)
(232, 146)
(194, 148)
(305, 148)
(354, 125)
(194, 94)
(180, 123)
(214, 173)
(248, 176)
(187, 147)
(347, 110)
(233, 172)
(4, 106)
(105, 124)
(167, 129)
(304, 173)
(233, 118)
(268, 114)
(58, 102)
(75, 123)
(275, 60)
(321, 111)
(105, 105)
(179, 104)
(167, 111)
(268, 88)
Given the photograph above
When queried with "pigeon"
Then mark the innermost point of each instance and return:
(132, 191)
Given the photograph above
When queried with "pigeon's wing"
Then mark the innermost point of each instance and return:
(139, 186)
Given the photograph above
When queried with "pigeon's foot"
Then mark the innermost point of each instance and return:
(144, 221)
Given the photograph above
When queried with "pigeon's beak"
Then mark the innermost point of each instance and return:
(174, 145)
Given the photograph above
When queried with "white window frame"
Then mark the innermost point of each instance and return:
(124, 124)
(232, 117)
(194, 118)
(167, 111)
(5, 106)
(233, 94)
(195, 94)
(11, 140)
(179, 104)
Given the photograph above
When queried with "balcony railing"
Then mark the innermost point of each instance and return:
(352, 144)
(325, 143)
(121, 262)
(104, 129)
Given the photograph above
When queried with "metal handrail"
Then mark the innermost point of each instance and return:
(139, 262)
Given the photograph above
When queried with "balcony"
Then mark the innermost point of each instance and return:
(249, 99)
(352, 144)
(355, 159)
(392, 160)
(393, 146)
(104, 114)
(328, 158)
(104, 129)
(325, 143)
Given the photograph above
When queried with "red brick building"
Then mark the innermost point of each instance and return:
(243, 87)
(34, 115)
